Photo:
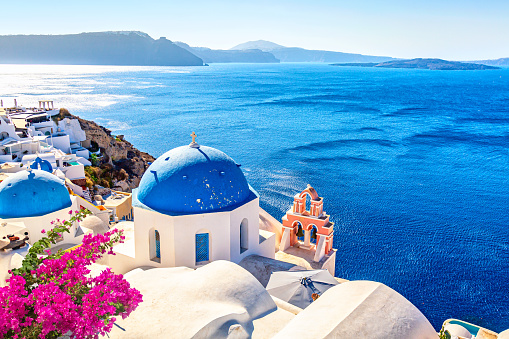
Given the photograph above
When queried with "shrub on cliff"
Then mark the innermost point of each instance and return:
(52, 296)
(62, 114)
(104, 175)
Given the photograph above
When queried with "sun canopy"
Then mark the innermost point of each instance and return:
(7, 228)
(298, 287)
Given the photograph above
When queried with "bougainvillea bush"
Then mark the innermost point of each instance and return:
(52, 294)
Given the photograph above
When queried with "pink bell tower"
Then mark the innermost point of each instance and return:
(311, 229)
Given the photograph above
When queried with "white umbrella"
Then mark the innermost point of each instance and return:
(298, 287)
(11, 228)
(7, 228)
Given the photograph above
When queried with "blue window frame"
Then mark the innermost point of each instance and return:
(202, 247)
(158, 245)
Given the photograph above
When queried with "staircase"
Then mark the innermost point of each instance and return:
(86, 195)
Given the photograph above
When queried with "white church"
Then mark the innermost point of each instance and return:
(193, 206)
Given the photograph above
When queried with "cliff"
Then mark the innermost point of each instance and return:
(216, 55)
(102, 48)
(121, 165)
(432, 64)
(296, 54)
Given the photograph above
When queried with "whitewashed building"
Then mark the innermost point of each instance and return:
(194, 206)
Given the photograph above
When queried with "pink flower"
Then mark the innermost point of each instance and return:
(70, 212)
(43, 231)
(56, 296)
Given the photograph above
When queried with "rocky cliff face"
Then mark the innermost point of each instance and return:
(121, 165)
(119, 153)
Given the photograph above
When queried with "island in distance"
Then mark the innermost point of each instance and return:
(433, 64)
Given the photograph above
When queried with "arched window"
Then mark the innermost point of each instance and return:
(308, 203)
(202, 247)
(244, 236)
(313, 235)
(158, 245)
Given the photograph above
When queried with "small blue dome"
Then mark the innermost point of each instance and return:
(32, 193)
(188, 180)
(44, 165)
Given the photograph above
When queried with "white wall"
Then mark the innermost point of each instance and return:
(83, 153)
(73, 128)
(187, 226)
(61, 142)
(178, 236)
(146, 221)
(74, 172)
(8, 128)
(250, 211)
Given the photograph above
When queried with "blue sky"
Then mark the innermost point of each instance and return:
(460, 30)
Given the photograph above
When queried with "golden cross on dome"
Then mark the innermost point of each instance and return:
(194, 144)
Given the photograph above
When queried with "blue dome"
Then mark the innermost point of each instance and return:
(44, 165)
(34, 193)
(189, 180)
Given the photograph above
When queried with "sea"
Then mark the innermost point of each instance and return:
(412, 164)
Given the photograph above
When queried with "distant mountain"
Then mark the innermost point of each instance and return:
(102, 48)
(493, 62)
(296, 54)
(433, 64)
(216, 55)
(262, 45)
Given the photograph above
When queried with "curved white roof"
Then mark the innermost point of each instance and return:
(181, 302)
(503, 335)
(360, 309)
(94, 224)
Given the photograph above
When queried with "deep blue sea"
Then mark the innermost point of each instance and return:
(412, 164)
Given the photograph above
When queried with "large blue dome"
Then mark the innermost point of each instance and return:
(189, 180)
(32, 193)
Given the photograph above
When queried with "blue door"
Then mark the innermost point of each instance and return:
(202, 247)
(158, 245)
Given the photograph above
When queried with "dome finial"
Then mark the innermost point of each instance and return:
(194, 144)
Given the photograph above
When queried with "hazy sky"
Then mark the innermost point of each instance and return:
(454, 29)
